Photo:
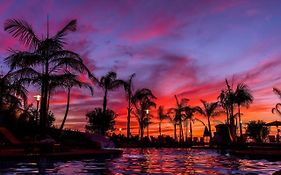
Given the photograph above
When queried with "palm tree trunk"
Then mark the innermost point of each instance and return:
(129, 117)
(210, 129)
(181, 131)
(105, 100)
(160, 127)
(66, 110)
(240, 124)
(147, 131)
(141, 134)
(175, 131)
(186, 130)
(190, 127)
(227, 116)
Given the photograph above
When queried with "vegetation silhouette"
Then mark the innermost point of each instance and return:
(47, 53)
(161, 116)
(243, 97)
(209, 110)
(109, 82)
(257, 130)
(143, 100)
(100, 122)
(128, 87)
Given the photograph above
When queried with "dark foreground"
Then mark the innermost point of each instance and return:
(148, 161)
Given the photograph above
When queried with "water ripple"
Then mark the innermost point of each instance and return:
(166, 161)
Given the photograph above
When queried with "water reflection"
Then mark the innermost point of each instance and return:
(147, 161)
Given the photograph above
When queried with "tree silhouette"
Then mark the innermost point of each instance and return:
(128, 86)
(189, 114)
(100, 122)
(43, 62)
(161, 116)
(178, 113)
(209, 110)
(109, 82)
(12, 92)
(143, 100)
(68, 81)
(257, 130)
(243, 97)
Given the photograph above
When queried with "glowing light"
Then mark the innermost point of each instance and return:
(37, 97)
(147, 111)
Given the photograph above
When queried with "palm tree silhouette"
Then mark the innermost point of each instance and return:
(12, 92)
(143, 100)
(227, 102)
(178, 112)
(209, 110)
(189, 114)
(68, 81)
(243, 97)
(161, 116)
(44, 61)
(109, 82)
(128, 86)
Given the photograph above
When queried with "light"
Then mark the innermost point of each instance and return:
(147, 111)
(38, 97)
(120, 129)
(241, 121)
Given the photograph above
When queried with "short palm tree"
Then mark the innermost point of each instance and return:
(189, 114)
(143, 100)
(44, 60)
(179, 114)
(243, 97)
(161, 116)
(128, 86)
(209, 110)
(12, 92)
(109, 82)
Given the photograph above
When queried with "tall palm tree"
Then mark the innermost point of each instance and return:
(227, 102)
(128, 86)
(161, 116)
(179, 114)
(109, 82)
(68, 81)
(243, 97)
(143, 100)
(44, 60)
(209, 110)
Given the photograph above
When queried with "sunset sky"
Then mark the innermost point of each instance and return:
(185, 48)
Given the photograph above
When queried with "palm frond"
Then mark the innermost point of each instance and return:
(22, 30)
(69, 27)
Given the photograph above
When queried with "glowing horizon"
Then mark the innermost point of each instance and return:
(184, 48)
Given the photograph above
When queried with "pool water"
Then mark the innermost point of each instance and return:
(148, 161)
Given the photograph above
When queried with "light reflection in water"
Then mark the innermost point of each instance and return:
(148, 161)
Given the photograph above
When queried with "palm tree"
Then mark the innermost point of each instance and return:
(128, 86)
(209, 110)
(189, 113)
(161, 116)
(227, 102)
(109, 82)
(143, 100)
(12, 92)
(44, 61)
(178, 114)
(243, 97)
(68, 81)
